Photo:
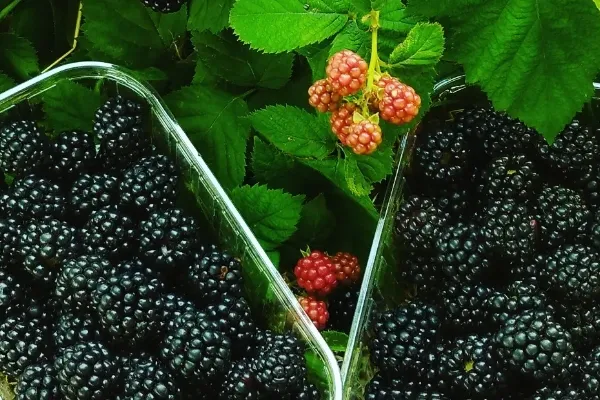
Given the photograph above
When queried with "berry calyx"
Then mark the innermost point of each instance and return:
(347, 269)
(341, 120)
(316, 311)
(322, 97)
(399, 102)
(364, 137)
(316, 273)
(347, 72)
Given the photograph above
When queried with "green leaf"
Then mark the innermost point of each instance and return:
(18, 57)
(131, 34)
(271, 214)
(344, 173)
(5, 83)
(597, 2)
(150, 74)
(374, 167)
(209, 15)
(276, 26)
(337, 341)
(71, 106)
(294, 131)
(352, 38)
(361, 6)
(334, 6)
(226, 57)
(213, 121)
(525, 54)
(316, 223)
(275, 257)
(393, 16)
(317, 56)
(423, 46)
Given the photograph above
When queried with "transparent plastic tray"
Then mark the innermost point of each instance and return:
(214, 208)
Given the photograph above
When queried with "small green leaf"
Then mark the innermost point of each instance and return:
(352, 38)
(345, 174)
(375, 167)
(363, 7)
(235, 62)
(356, 181)
(18, 57)
(275, 257)
(5, 83)
(317, 372)
(393, 16)
(213, 121)
(317, 56)
(337, 341)
(423, 46)
(209, 15)
(316, 223)
(150, 74)
(271, 214)
(294, 131)
(70, 106)
(276, 26)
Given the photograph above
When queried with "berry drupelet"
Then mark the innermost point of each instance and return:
(213, 276)
(442, 156)
(418, 223)
(73, 153)
(109, 233)
(90, 193)
(24, 148)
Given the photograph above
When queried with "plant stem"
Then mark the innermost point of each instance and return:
(374, 63)
(6, 10)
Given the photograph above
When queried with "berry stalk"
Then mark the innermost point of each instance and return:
(374, 63)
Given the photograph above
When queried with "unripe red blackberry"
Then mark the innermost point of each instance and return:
(322, 97)
(341, 120)
(400, 103)
(347, 72)
(316, 274)
(347, 269)
(364, 137)
(316, 311)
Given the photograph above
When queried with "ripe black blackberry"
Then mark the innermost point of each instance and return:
(308, 392)
(424, 272)
(45, 245)
(267, 338)
(461, 253)
(129, 307)
(72, 328)
(574, 272)
(418, 223)
(195, 349)
(173, 306)
(590, 378)
(9, 240)
(164, 6)
(149, 380)
(442, 156)
(342, 304)
(561, 215)
(168, 238)
(582, 322)
(464, 307)
(87, 371)
(519, 296)
(213, 276)
(34, 197)
(38, 382)
(109, 233)
(73, 153)
(240, 382)
(78, 279)
(380, 388)
(512, 177)
(454, 200)
(559, 393)
(13, 289)
(90, 193)
(24, 148)
(534, 346)
(23, 342)
(234, 319)
(401, 336)
(510, 231)
(137, 265)
(149, 185)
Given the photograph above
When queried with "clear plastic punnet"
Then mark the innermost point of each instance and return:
(205, 198)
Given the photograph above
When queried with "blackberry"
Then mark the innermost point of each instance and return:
(78, 279)
(460, 253)
(308, 392)
(234, 320)
(38, 382)
(34, 197)
(109, 233)
(442, 156)
(13, 291)
(342, 304)
(137, 265)
(590, 378)
(24, 148)
(424, 272)
(45, 245)
(534, 346)
(280, 368)
(552, 393)
(215, 275)
(73, 153)
(475, 122)
(582, 322)
(380, 388)
(418, 223)
(453, 200)
(72, 328)
(464, 307)
(240, 383)
(164, 6)
(23, 342)
(574, 272)
(87, 371)
(90, 193)
(195, 349)
(175, 305)
(510, 231)
(168, 238)
(588, 185)
(118, 125)
(9, 240)
(149, 185)
(519, 296)
(401, 336)
(129, 307)
(512, 177)
(149, 380)
(561, 215)
(267, 338)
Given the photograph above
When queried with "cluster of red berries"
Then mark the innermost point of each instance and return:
(389, 99)
(319, 274)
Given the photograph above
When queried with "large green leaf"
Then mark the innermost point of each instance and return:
(352, 38)
(5, 82)
(276, 26)
(17, 56)
(424, 45)
(209, 15)
(70, 106)
(316, 223)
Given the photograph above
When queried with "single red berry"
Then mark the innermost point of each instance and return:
(400, 103)
(316, 311)
(316, 273)
(347, 72)
(364, 137)
(322, 97)
(347, 269)
(341, 121)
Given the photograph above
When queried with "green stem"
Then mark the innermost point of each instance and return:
(6, 10)
(374, 63)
